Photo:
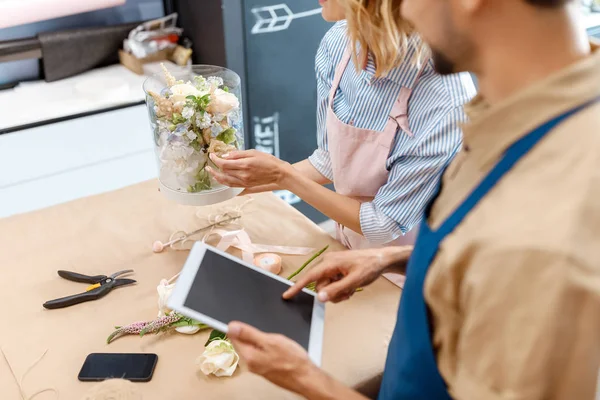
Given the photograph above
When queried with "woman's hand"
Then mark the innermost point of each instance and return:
(339, 274)
(250, 168)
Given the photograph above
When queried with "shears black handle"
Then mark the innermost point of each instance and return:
(75, 277)
(93, 294)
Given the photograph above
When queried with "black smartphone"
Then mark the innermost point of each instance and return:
(136, 367)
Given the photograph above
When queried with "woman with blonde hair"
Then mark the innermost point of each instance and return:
(387, 125)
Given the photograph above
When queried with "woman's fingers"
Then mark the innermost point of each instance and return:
(227, 180)
(236, 155)
(228, 164)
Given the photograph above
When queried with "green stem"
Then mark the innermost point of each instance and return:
(317, 254)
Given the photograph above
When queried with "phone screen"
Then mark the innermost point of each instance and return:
(133, 366)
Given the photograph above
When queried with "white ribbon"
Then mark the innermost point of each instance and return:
(241, 240)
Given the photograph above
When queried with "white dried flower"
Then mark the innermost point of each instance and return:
(181, 91)
(164, 292)
(219, 358)
(222, 102)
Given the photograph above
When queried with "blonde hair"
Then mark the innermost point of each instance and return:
(377, 27)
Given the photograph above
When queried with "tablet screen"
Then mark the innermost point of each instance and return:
(226, 291)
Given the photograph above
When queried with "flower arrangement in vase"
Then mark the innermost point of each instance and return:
(192, 116)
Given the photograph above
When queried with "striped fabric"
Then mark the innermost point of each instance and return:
(435, 115)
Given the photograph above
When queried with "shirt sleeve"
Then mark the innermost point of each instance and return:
(325, 72)
(399, 204)
(530, 327)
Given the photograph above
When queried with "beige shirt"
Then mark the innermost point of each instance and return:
(514, 291)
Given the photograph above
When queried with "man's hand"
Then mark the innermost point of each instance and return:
(339, 274)
(275, 357)
(285, 363)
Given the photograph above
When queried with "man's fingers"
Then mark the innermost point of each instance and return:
(245, 333)
(322, 283)
(318, 273)
(252, 356)
(339, 288)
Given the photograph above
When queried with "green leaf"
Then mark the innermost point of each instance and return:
(204, 101)
(215, 335)
(178, 118)
(200, 102)
(196, 145)
(226, 89)
(227, 136)
(202, 181)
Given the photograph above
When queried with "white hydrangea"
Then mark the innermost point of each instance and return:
(188, 112)
(180, 163)
(191, 135)
(215, 129)
(203, 121)
(181, 129)
(218, 117)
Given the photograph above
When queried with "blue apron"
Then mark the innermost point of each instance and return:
(411, 371)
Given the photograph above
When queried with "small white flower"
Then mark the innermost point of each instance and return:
(222, 102)
(215, 82)
(187, 113)
(204, 121)
(201, 83)
(164, 292)
(219, 358)
(181, 91)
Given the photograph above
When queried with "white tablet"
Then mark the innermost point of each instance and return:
(216, 288)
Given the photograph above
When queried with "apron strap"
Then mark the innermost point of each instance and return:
(339, 72)
(398, 117)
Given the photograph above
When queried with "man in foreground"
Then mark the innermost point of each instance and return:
(502, 297)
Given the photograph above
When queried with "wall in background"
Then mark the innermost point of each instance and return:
(133, 10)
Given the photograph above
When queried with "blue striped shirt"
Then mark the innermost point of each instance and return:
(435, 113)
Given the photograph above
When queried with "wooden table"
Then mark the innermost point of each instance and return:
(114, 231)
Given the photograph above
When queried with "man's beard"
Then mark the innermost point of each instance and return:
(442, 64)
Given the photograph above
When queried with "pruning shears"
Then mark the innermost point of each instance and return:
(100, 286)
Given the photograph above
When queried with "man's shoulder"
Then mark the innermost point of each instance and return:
(551, 197)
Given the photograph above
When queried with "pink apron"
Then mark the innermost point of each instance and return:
(358, 160)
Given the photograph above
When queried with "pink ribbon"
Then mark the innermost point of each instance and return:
(240, 240)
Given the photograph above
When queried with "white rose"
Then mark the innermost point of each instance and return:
(164, 292)
(222, 102)
(181, 91)
(219, 358)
